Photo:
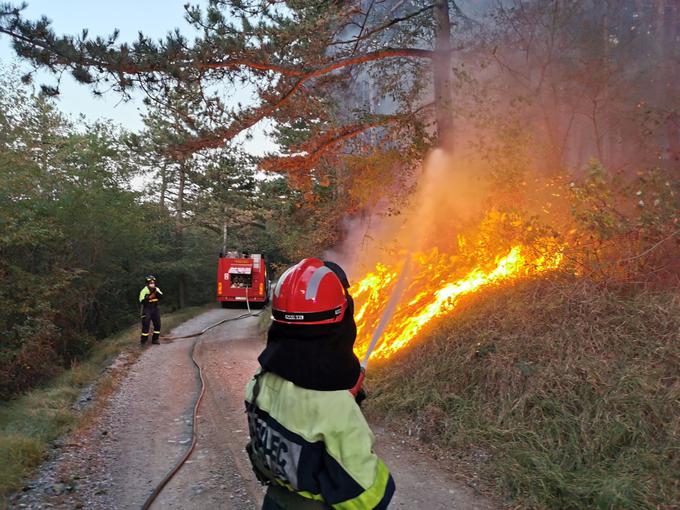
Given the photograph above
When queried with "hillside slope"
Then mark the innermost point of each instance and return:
(570, 392)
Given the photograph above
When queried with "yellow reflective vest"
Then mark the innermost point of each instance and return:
(145, 296)
(316, 444)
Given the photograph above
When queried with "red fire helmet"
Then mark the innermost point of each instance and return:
(309, 293)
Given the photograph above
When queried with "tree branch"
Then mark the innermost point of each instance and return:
(217, 139)
(384, 26)
(347, 133)
(649, 250)
(133, 68)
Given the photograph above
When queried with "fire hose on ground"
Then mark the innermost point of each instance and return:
(194, 436)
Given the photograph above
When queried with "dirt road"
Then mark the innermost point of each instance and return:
(146, 426)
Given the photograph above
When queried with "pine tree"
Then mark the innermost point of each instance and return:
(301, 57)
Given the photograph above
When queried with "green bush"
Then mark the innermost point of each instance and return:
(627, 229)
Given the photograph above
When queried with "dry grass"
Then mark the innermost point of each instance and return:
(29, 423)
(573, 391)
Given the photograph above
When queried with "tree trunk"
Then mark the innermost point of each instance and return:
(179, 225)
(164, 185)
(182, 298)
(224, 233)
(441, 71)
(179, 210)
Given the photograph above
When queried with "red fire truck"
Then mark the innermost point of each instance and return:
(242, 278)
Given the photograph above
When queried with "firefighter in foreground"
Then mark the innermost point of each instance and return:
(149, 297)
(309, 441)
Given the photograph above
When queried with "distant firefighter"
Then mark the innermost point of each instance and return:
(149, 297)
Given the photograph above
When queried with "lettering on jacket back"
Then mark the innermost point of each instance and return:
(276, 453)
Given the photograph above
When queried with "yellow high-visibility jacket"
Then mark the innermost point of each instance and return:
(316, 444)
(146, 297)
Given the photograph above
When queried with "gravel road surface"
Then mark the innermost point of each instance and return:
(118, 458)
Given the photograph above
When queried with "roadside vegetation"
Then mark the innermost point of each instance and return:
(562, 391)
(30, 423)
(87, 210)
(76, 239)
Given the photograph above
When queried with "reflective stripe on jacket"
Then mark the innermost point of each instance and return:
(317, 444)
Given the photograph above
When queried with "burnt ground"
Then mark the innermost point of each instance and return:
(136, 437)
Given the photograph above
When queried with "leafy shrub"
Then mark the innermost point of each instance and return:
(627, 230)
(31, 360)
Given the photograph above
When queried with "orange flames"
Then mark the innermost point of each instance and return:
(432, 288)
(451, 240)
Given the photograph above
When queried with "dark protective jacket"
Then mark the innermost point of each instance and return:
(316, 444)
(149, 298)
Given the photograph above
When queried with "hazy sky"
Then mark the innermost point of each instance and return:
(153, 17)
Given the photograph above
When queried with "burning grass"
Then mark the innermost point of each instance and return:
(395, 302)
(572, 390)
